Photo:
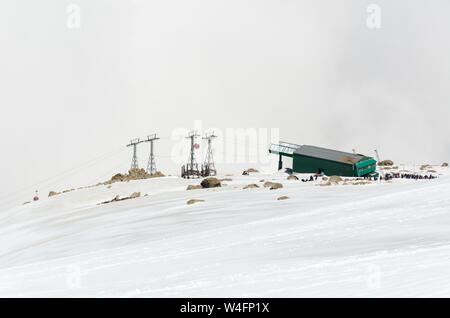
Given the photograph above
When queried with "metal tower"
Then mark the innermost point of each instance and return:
(191, 168)
(151, 166)
(134, 143)
(192, 161)
(208, 165)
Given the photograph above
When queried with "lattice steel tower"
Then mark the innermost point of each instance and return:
(134, 161)
(151, 166)
(209, 159)
(191, 167)
(192, 163)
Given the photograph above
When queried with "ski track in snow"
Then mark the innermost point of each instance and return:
(382, 239)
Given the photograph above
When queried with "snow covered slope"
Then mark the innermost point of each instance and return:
(380, 239)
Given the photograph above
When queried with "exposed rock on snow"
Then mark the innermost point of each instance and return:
(116, 198)
(250, 186)
(386, 163)
(284, 197)
(192, 201)
(52, 193)
(445, 164)
(210, 182)
(273, 185)
(247, 172)
(134, 195)
(327, 240)
(335, 179)
(194, 187)
(133, 174)
(292, 177)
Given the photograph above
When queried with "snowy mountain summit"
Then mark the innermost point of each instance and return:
(247, 237)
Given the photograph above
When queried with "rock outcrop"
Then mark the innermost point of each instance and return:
(133, 174)
(251, 186)
(134, 195)
(272, 185)
(192, 201)
(247, 172)
(386, 163)
(210, 182)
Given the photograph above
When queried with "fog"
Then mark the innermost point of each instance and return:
(77, 86)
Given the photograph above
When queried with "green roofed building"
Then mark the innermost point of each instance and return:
(312, 159)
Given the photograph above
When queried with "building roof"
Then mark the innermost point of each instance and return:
(284, 148)
(328, 154)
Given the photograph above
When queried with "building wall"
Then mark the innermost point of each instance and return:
(367, 166)
(303, 164)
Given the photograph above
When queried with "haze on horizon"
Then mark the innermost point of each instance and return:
(311, 69)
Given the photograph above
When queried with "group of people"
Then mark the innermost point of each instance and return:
(387, 176)
(311, 178)
(369, 177)
(413, 176)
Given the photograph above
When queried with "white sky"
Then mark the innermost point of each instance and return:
(311, 68)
